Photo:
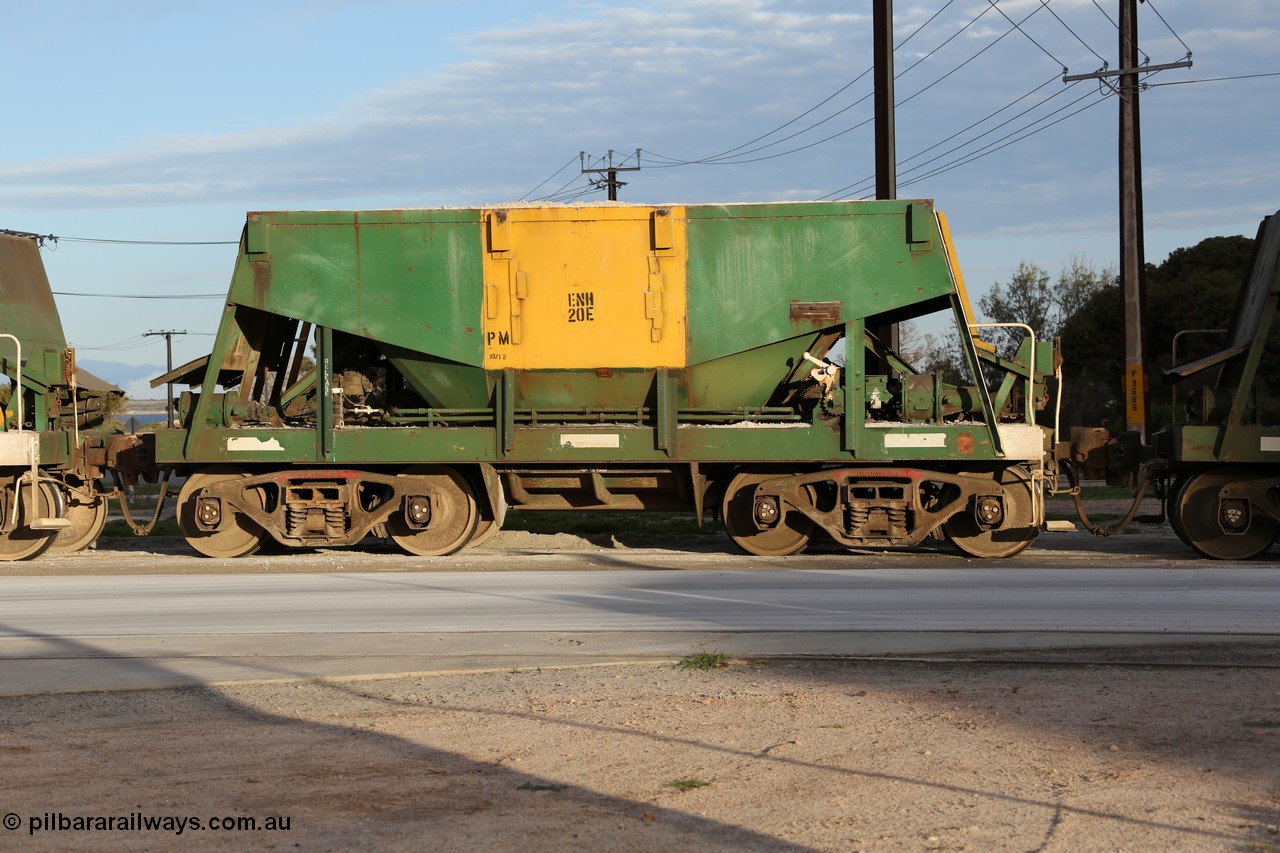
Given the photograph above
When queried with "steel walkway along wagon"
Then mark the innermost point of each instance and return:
(412, 373)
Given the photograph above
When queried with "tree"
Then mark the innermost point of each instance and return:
(1194, 288)
(1028, 298)
(1092, 346)
(928, 353)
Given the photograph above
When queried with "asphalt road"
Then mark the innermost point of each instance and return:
(1170, 601)
(72, 631)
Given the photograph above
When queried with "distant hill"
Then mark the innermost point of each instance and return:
(144, 407)
(135, 379)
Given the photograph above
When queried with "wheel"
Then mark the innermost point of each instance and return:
(1171, 508)
(238, 536)
(1015, 531)
(446, 506)
(87, 520)
(487, 528)
(740, 509)
(23, 543)
(1197, 508)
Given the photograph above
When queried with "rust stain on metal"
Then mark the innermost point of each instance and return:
(825, 312)
(261, 283)
(964, 443)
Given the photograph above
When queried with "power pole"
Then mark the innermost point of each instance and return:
(886, 143)
(882, 60)
(1132, 254)
(1133, 279)
(606, 166)
(168, 388)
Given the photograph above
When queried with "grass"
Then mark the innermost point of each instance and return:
(703, 660)
(534, 786)
(119, 529)
(142, 504)
(688, 783)
(1263, 723)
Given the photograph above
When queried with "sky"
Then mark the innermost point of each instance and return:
(166, 122)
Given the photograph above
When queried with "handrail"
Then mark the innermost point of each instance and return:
(1031, 362)
(17, 378)
(1173, 360)
(1037, 512)
(31, 447)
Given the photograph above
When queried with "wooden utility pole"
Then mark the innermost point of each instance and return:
(882, 59)
(1137, 407)
(886, 144)
(1132, 252)
(168, 388)
(610, 170)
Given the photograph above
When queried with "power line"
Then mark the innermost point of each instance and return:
(940, 143)
(986, 150)
(145, 242)
(914, 32)
(135, 342)
(1211, 79)
(1005, 141)
(1145, 58)
(132, 343)
(141, 295)
(1027, 34)
(1151, 3)
(1105, 15)
(567, 194)
(1073, 32)
(738, 161)
(721, 158)
(544, 183)
(972, 58)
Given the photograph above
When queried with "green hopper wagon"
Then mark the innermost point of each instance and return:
(414, 373)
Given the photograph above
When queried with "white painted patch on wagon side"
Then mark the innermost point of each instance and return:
(915, 439)
(250, 442)
(590, 439)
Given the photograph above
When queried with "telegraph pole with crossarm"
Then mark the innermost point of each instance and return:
(168, 388)
(606, 166)
(1132, 255)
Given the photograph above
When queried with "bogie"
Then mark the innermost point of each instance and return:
(984, 514)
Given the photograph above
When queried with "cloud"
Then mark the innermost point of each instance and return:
(689, 79)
